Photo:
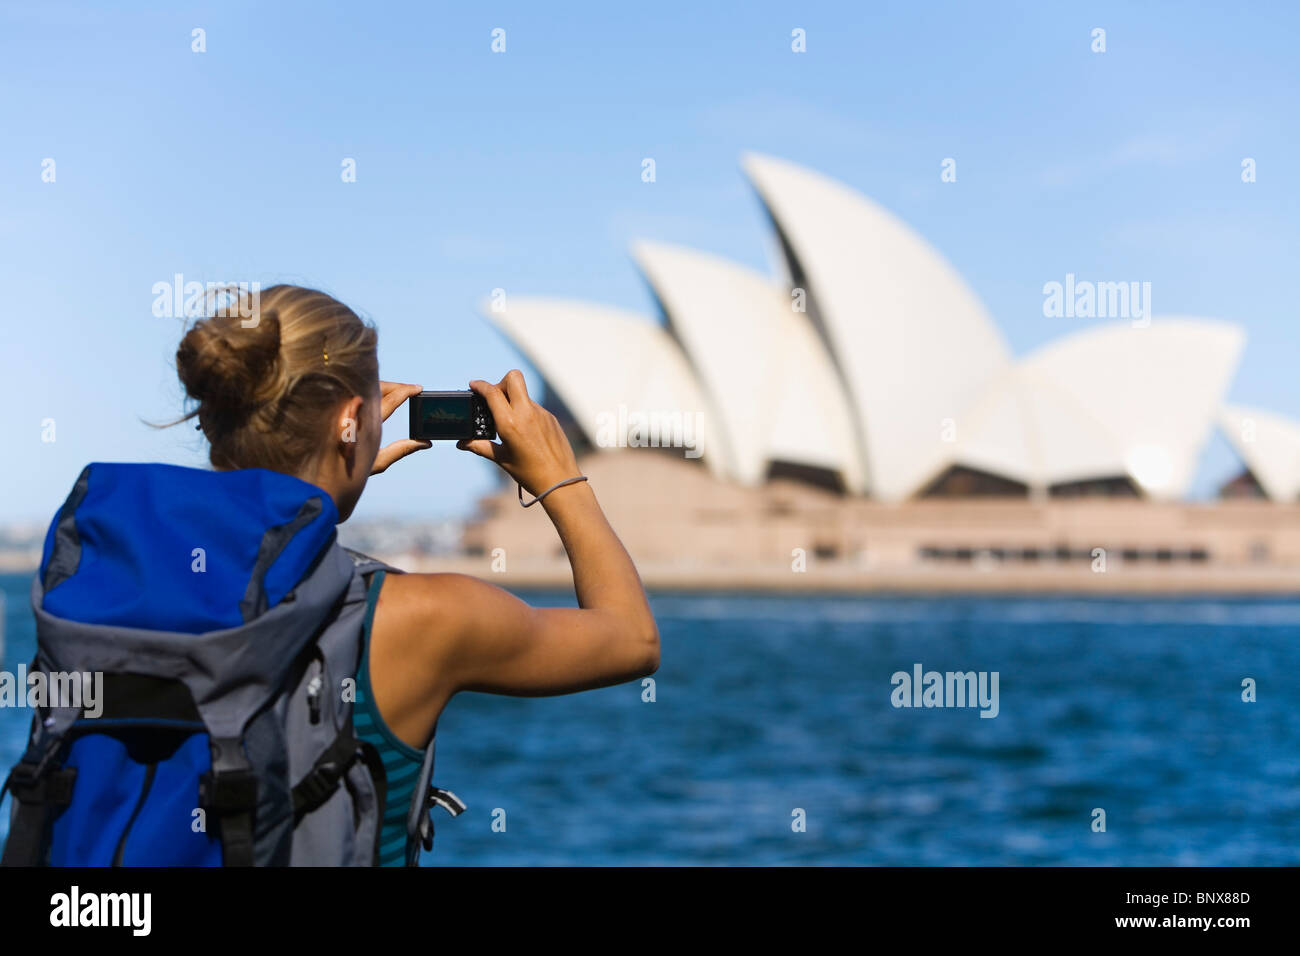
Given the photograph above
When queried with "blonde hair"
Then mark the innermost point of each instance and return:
(269, 370)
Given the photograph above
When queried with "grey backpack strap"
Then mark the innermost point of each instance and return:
(425, 796)
(333, 767)
(366, 565)
(419, 819)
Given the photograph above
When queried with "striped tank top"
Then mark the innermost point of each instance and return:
(402, 762)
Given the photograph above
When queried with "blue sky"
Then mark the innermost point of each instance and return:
(521, 171)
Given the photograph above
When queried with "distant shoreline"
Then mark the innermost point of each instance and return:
(1066, 579)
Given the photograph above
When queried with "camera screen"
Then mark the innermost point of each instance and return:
(445, 416)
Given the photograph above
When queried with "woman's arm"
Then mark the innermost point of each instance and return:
(437, 634)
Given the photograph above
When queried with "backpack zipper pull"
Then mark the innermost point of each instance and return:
(313, 698)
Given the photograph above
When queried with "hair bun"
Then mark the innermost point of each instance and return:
(228, 369)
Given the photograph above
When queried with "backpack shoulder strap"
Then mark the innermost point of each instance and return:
(366, 565)
(330, 768)
(425, 796)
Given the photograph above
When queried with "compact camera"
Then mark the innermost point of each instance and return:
(451, 416)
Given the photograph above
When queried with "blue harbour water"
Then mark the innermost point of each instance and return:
(769, 703)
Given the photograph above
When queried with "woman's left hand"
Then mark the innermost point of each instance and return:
(391, 397)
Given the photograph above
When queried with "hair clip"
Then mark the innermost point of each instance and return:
(324, 350)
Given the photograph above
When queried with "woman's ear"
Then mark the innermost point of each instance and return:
(349, 424)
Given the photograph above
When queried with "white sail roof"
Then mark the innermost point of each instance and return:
(895, 373)
(914, 345)
(1269, 444)
(1114, 400)
(1029, 429)
(761, 362)
(615, 371)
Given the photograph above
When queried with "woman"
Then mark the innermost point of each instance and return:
(289, 384)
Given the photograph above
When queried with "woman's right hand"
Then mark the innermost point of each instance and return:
(533, 449)
(438, 634)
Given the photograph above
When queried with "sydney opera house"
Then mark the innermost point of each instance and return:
(858, 422)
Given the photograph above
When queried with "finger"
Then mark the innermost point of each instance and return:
(515, 387)
(480, 446)
(393, 394)
(498, 405)
(396, 452)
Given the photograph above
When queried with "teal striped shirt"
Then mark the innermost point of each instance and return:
(402, 762)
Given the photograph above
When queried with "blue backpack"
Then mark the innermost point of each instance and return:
(196, 635)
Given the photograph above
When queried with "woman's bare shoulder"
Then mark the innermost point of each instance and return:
(444, 603)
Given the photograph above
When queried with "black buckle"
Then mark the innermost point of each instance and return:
(453, 804)
(23, 778)
(228, 790)
(438, 797)
(32, 783)
(59, 786)
(315, 788)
